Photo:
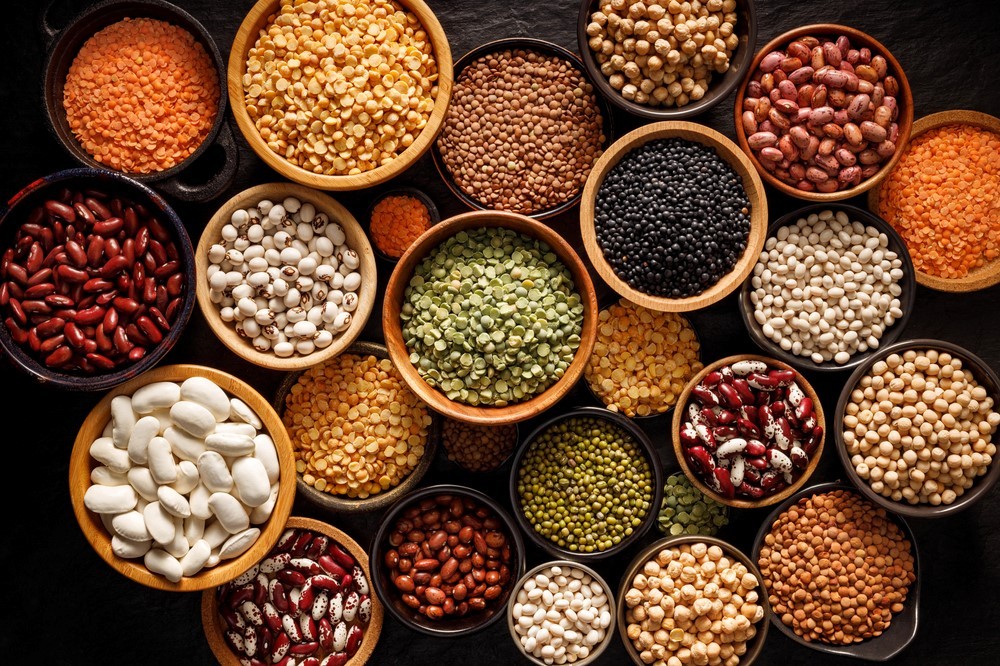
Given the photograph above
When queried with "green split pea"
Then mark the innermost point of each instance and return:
(687, 510)
(491, 317)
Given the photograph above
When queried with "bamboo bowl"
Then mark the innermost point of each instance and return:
(726, 150)
(356, 239)
(81, 464)
(244, 40)
(858, 39)
(986, 275)
(681, 412)
(396, 291)
(215, 627)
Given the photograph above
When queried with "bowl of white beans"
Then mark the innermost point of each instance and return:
(833, 284)
(286, 276)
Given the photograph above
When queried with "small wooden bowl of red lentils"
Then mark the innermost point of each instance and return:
(396, 218)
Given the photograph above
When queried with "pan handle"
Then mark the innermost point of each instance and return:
(221, 178)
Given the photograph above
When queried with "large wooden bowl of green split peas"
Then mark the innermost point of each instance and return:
(490, 317)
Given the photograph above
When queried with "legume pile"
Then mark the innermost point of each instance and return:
(919, 427)
(836, 568)
(491, 317)
(522, 131)
(585, 484)
(355, 427)
(340, 86)
(396, 221)
(642, 359)
(672, 218)
(478, 448)
(687, 510)
(942, 198)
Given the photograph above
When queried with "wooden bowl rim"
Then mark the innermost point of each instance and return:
(678, 420)
(984, 375)
(988, 274)
(210, 617)
(341, 504)
(905, 99)
(663, 543)
(90, 523)
(367, 294)
(246, 36)
(429, 240)
(907, 298)
(727, 151)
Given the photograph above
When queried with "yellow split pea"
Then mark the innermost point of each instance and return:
(356, 428)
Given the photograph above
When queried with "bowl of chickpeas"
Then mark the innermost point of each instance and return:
(915, 427)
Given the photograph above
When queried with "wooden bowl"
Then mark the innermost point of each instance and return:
(386, 498)
(81, 463)
(356, 239)
(890, 335)
(719, 87)
(244, 40)
(397, 288)
(903, 628)
(756, 644)
(730, 153)
(545, 48)
(681, 412)
(858, 39)
(214, 625)
(984, 375)
(986, 275)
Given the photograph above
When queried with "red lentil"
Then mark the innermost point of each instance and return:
(397, 221)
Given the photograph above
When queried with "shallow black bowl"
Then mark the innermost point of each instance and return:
(423, 197)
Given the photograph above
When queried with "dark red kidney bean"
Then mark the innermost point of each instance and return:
(113, 266)
(141, 240)
(60, 356)
(43, 276)
(17, 312)
(128, 249)
(167, 269)
(59, 301)
(18, 334)
(158, 252)
(38, 290)
(50, 327)
(108, 227)
(74, 336)
(84, 213)
(50, 344)
(34, 259)
(17, 272)
(76, 253)
(112, 248)
(61, 210)
(100, 361)
(158, 231)
(67, 273)
(110, 322)
(100, 211)
(162, 297)
(94, 285)
(90, 316)
(149, 291)
(136, 353)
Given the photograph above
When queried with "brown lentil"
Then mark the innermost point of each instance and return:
(340, 86)
(836, 568)
(141, 95)
(356, 428)
(918, 427)
(522, 132)
(478, 448)
(642, 359)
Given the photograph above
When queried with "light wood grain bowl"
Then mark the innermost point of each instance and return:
(400, 355)
(858, 39)
(81, 463)
(343, 504)
(681, 412)
(727, 151)
(244, 40)
(986, 275)
(214, 626)
(356, 239)
(754, 647)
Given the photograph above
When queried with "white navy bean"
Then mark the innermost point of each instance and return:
(161, 460)
(229, 511)
(155, 395)
(143, 432)
(122, 420)
(196, 558)
(193, 418)
(208, 394)
(160, 561)
(230, 443)
(173, 502)
(238, 543)
(214, 472)
(129, 550)
(141, 479)
(131, 525)
(251, 482)
(105, 476)
(103, 450)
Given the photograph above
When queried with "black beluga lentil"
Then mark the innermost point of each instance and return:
(672, 218)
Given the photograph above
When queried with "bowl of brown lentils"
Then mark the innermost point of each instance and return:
(524, 128)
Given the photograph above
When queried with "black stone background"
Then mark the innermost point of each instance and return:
(64, 605)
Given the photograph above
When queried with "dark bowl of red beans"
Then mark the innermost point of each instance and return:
(445, 560)
(96, 279)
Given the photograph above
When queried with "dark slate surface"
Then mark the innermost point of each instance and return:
(64, 605)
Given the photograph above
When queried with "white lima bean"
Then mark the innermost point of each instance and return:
(561, 614)
(827, 287)
(279, 266)
(182, 471)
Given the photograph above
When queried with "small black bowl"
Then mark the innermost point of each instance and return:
(644, 443)
(890, 335)
(985, 376)
(179, 181)
(545, 48)
(432, 209)
(903, 628)
(719, 87)
(446, 627)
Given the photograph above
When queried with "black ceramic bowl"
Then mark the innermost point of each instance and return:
(638, 436)
(719, 86)
(183, 180)
(13, 215)
(432, 209)
(985, 376)
(890, 335)
(448, 626)
(545, 48)
(903, 628)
